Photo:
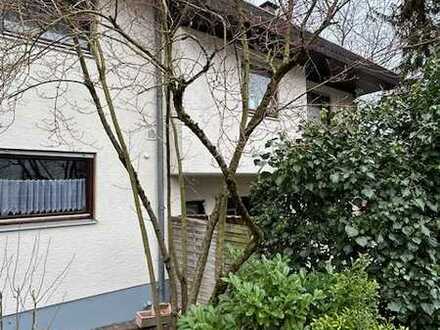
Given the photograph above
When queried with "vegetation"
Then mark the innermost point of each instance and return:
(119, 53)
(418, 26)
(366, 183)
(265, 294)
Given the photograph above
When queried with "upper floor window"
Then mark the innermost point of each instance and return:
(258, 82)
(45, 19)
(317, 105)
(40, 186)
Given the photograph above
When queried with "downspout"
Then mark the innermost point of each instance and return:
(160, 153)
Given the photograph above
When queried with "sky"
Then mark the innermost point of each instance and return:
(369, 37)
(256, 2)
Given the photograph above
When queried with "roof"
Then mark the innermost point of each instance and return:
(365, 76)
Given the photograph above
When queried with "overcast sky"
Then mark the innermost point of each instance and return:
(369, 35)
(256, 2)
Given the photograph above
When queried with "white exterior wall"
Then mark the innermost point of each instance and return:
(205, 101)
(108, 255)
(105, 256)
(206, 186)
(338, 98)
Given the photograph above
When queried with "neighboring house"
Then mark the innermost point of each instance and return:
(89, 226)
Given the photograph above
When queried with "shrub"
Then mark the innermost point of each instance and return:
(349, 319)
(369, 182)
(205, 317)
(267, 295)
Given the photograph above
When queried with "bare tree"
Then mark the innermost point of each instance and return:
(30, 288)
(109, 54)
(364, 28)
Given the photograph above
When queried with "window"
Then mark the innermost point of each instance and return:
(42, 19)
(195, 207)
(258, 82)
(318, 105)
(232, 207)
(39, 186)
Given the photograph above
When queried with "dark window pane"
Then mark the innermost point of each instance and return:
(232, 208)
(195, 207)
(317, 99)
(317, 105)
(42, 169)
(38, 186)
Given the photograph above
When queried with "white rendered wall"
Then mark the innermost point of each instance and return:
(205, 187)
(102, 257)
(205, 101)
(108, 256)
(218, 114)
(338, 98)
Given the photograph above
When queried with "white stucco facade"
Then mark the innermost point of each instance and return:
(217, 109)
(107, 254)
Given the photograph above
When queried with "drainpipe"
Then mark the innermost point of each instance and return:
(160, 155)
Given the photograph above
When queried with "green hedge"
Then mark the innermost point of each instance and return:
(267, 295)
(368, 182)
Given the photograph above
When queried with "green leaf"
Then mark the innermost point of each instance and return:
(371, 175)
(425, 231)
(362, 241)
(296, 168)
(432, 206)
(368, 192)
(309, 186)
(351, 231)
(406, 192)
(279, 180)
(334, 177)
(420, 203)
(428, 308)
(416, 240)
(394, 306)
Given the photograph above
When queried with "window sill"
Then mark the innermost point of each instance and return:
(46, 225)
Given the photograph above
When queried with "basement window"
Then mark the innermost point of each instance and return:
(232, 207)
(195, 207)
(42, 186)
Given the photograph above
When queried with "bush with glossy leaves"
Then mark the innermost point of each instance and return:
(265, 295)
(368, 182)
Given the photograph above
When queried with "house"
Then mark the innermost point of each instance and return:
(81, 247)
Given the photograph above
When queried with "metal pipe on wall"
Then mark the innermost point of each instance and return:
(160, 154)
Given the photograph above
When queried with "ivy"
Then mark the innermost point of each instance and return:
(368, 182)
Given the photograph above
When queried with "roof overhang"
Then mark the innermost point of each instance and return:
(323, 60)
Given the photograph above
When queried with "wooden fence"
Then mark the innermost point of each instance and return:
(236, 237)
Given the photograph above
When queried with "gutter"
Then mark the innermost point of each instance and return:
(160, 156)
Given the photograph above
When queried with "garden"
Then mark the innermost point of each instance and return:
(350, 216)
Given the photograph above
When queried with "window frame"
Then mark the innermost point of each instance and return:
(275, 98)
(63, 41)
(232, 210)
(318, 95)
(320, 106)
(200, 204)
(89, 213)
